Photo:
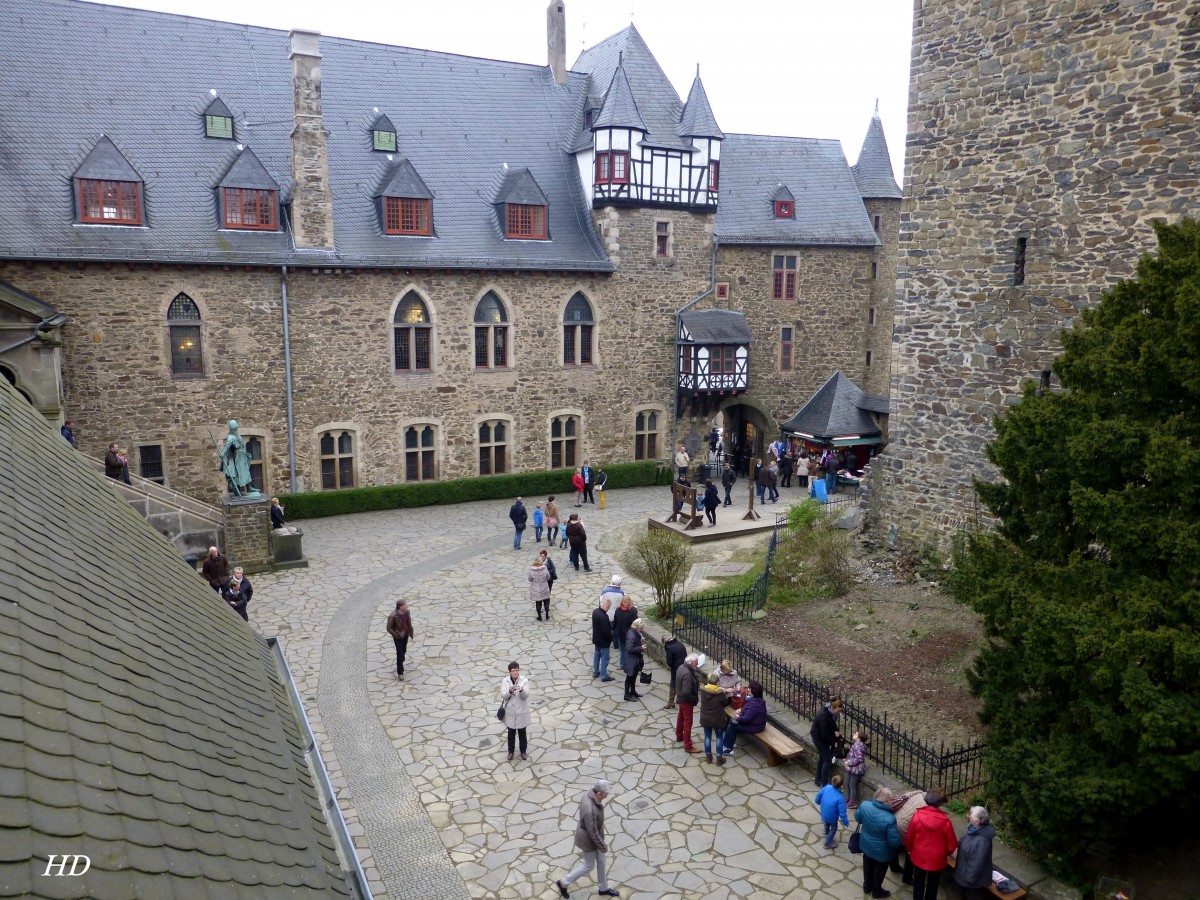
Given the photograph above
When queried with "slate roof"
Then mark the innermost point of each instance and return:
(716, 326)
(620, 109)
(828, 209)
(247, 172)
(402, 180)
(697, 118)
(835, 410)
(27, 303)
(873, 171)
(142, 723)
(458, 119)
(657, 102)
(106, 163)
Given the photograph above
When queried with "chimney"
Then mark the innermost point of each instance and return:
(312, 200)
(556, 40)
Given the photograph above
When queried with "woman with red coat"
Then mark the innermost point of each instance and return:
(578, 484)
(929, 840)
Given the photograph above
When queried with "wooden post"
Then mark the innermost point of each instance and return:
(751, 515)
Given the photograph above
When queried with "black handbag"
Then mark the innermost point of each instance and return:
(646, 677)
(856, 840)
(500, 713)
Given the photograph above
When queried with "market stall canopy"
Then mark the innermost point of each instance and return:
(839, 413)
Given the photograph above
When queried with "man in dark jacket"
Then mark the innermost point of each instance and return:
(602, 638)
(577, 538)
(519, 516)
(973, 868)
(237, 593)
(825, 734)
(113, 465)
(687, 688)
(400, 627)
(676, 653)
(68, 432)
(215, 569)
(277, 520)
(728, 480)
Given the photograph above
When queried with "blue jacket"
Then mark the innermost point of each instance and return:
(754, 716)
(833, 805)
(539, 518)
(880, 838)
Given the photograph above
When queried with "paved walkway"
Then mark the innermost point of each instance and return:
(420, 767)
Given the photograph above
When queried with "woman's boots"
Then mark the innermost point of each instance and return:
(671, 700)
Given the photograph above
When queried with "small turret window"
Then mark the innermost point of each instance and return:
(784, 209)
(384, 140)
(218, 127)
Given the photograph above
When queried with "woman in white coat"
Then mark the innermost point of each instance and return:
(514, 694)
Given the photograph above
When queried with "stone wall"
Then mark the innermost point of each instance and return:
(877, 376)
(248, 533)
(1072, 126)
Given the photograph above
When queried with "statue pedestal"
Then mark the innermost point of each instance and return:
(247, 523)
(285, 545)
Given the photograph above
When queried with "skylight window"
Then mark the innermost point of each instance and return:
(218, 127)
(384, 140)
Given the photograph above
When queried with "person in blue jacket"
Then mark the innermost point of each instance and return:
(879, 840)
(833, 807)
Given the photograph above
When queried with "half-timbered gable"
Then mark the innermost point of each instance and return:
(714, 352)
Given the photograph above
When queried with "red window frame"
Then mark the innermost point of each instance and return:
(662, 239)
(612, 167)
(250, 209)
(525, 221)
(786, 348)
(406, 215)
(123, 197)
(783, 283)
(722, 360)
(783, 209)
(714, 175)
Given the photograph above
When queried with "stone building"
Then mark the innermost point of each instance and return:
(1044, 140)
(394, 265)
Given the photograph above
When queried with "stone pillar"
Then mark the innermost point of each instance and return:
(556, 40)
(312, 199)
(247, 523)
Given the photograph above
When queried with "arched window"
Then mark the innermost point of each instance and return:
(420, 453)
(491, 333)
(645, 441)
(337, 460)
(577, 332)
(564, 436)
(183, 321)
(412, 335)
(493, 448)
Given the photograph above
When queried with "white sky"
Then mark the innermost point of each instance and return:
(809, 68)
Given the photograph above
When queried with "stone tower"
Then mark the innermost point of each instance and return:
(1044, 140)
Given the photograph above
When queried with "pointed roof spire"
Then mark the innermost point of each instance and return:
(620, 110)
(697, 119)
(873, 171)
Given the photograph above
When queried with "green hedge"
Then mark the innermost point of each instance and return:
(440, 493)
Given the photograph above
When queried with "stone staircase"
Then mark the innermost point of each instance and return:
(189, 525)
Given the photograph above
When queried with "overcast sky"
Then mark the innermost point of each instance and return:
(809, 68)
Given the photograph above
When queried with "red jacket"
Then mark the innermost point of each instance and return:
(930, 839)
(577, 481)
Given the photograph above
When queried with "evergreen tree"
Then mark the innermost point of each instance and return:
(1088, 587)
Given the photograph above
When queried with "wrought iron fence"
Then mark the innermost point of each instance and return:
(704, 623)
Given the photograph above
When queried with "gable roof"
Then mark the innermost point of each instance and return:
(620, 109)
(218, 108)
(401, 180)
(247, 172)
(383, 123)
(828, 207)
(873, 171)
(716, 326)
(839, 408)
(782, 193)
(106, 163)
(519, 186)
(697, 119)
(461, 117)
(145, 724)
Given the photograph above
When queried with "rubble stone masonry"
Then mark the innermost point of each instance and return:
(1060, 129)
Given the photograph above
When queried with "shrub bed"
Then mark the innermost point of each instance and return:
(314, 504)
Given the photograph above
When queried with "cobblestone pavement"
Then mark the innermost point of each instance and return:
(435, 808)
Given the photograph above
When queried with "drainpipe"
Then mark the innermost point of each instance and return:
(53, 321)
(287, 374)
(712, 283)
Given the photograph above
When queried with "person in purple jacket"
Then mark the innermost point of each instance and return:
(751, 718)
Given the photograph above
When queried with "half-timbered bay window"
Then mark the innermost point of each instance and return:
(406, 215)
(183, 326)
(722, 360)
(491, 333)
(526, 221)
(249, 208)
(420, 454)
(337, 460)
(493, 447)
(577, 332)
(612, 167)
(412, 335)
(714, 352)
(564, 435)
(645, 438)
(110, 202)
(784, 277)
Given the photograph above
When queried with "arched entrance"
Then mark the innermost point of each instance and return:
(748, 430)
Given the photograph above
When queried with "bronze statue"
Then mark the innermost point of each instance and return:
(235, 463)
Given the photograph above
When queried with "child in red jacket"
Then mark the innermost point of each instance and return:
(929, 840)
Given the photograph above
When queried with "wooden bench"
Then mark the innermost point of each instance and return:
(952, 861)
(780, 747)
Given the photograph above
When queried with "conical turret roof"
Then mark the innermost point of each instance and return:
(873, 171)
(620, 109)
(698, 119)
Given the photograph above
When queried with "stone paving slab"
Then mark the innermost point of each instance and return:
(423, 760)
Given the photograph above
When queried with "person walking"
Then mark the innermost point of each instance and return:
(602, 638)
(773, 482)
(929, 840)
(539, 587)
(68, 432)
(215, 569)
(623, 618)
(237, 592)
(601, 485)
(577, 538)
(551, 571)
(879, 841)
(676, 653)
(552, 521)
(687, 692)
(712, 718)
(519, 516)
(400, 627)
(712, 500)
(635, 658)
(825, 734)
(973, 868)
(112, 463)
(589, 839)
(514, 694)
(728, 480)
(833, 807)
(539, 522)
(682, 461)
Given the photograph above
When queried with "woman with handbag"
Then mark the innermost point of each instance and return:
(712, 718)
(514, 708)
(879, 840)
(635, 657)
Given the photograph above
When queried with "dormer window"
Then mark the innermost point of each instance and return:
(249, 208)
(784, 209)
(612, 167)
(405, 215)
(383, 135)
(525, 221)
(218, 120)
(404, 201)
(110, 202)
